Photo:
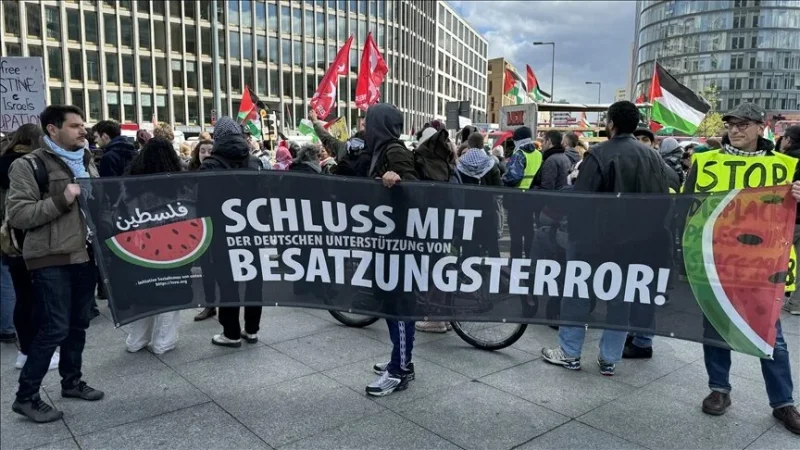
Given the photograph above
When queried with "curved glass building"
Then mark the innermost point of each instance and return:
(749, 49)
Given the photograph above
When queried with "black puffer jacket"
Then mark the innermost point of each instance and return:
(231, 152)
(117, 156)
(556, 166)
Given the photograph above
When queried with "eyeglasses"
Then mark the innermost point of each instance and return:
(740, 126)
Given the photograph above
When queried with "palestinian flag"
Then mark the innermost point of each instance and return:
(514, 86)
(534, 91)
(248, 112)
(675, 105)
(584, 123)
(768, 134)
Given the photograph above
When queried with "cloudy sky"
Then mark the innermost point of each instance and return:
(593, 41)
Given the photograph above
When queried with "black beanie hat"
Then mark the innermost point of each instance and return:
(522, 133)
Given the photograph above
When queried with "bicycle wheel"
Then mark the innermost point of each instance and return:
(488, 335)
(353, 320)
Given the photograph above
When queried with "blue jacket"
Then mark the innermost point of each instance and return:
(117, 156)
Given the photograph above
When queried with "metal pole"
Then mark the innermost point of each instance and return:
(553, 76)
(599, 86)
(215, 57)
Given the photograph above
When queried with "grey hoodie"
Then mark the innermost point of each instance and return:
(671, 153)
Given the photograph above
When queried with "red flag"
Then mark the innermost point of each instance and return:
(509, 81)
(655, 86)
(655, 126)
(324, 98)
(370, 75)
(640, 99)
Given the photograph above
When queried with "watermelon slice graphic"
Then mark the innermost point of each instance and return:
(736, 251)
(165, 246)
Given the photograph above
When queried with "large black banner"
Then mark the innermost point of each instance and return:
(705, 267)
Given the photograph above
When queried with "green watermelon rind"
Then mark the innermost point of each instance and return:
(205, 242)
(713, 301)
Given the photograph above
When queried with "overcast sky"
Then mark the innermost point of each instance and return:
(593, 41)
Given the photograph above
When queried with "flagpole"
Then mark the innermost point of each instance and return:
(215, 56)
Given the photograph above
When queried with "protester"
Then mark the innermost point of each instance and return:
(392, 163)
(790, 146)
(500, 157)
(63, 276)
(745, 125)
(619, 165)
(160, 332)
(523, 165)
(478, 168)
(164, 131)
(204, 136)
(349, 158)
(556, 163)
(572, 148)
(672, 153)
(327, 162)
(308, 160)
(283, 159)
(200, 152)
(117, 151)
(646, 137)
(142, 136)
(231, 151)
(185, 154)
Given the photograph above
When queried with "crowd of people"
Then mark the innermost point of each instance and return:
(48, 263)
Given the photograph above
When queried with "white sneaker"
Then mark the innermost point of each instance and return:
(21, 358)
(54, 361)
(221, 340)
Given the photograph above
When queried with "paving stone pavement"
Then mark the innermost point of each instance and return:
(302, 387)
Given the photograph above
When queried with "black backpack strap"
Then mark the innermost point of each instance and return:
(39, 173)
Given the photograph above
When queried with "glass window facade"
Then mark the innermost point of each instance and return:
(749, 50)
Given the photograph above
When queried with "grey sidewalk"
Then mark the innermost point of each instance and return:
(302, 387)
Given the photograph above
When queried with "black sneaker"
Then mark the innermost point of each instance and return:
(387, 383)
(606, 368)
(82, 391)
(380, 368)
(8, 337)
(635, 352)
(37, 410)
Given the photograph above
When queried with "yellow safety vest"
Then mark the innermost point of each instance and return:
(533, 162)
(717, 171)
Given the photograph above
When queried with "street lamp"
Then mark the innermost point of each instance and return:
(553, 71)
(599, 86)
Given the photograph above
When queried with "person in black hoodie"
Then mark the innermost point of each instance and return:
(620, 165)
(352, 158)
(117, 151)
(231, 151)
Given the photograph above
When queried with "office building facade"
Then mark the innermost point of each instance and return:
(136, 60)
(748, 49)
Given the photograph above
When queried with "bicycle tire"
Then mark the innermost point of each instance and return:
(499, 344)
(351, 321)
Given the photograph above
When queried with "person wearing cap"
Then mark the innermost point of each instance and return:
(523, 165)
(645, 136)
(711, 171)
(790, 145)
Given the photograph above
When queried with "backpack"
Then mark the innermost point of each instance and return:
(12, 239)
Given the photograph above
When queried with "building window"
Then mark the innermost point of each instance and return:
(194, 111)
(92, 66)
(236, 78)
(145, 71)
(248, 77)
(110, 25)
(191, 75)
(273, 82)
(191, 40)
(143, 6)
(272, 17)
(273, 49)
(158, 7)
(233, 12)
(247, 13)
(129, 102)
(126, 31)
(160, 35)
(309, 24)
(53, 22)
(297, 21)
(34, 19)
(75, 65)
(262, 82)
(286, 51)
(73, 25)
(127, 70)
(205, 10)
(11, 17)
(235, 51)
(112, 68)
(285, 20)
(261, 48)
(56, 96)
(247, 46)
(77, 98)
(144, 34)
(190, 9)
(161, 72)
(205, 41)
(208, 77)
(297, 54)
(177, 73)
(54, 58)
(174, 9)
(261, 15)
(176, 37)
(162, 108)
(112, 100)
(95, 102)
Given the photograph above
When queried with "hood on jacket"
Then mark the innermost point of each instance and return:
(384, 125)
(232, 147)
(21, 148)
(226, 126)
(121, 145)
(475, 163)
(282, 159)
(573, 155)
(670, 147)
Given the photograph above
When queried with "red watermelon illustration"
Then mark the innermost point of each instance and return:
(166, 246)
(736, 250)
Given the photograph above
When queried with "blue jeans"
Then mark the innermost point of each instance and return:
(7, 299)
(401, 332)
(777, 372)
(63, 298)
(642, 340)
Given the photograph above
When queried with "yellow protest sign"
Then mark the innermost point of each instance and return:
(338, 129)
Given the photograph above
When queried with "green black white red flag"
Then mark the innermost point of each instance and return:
(675, 105)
